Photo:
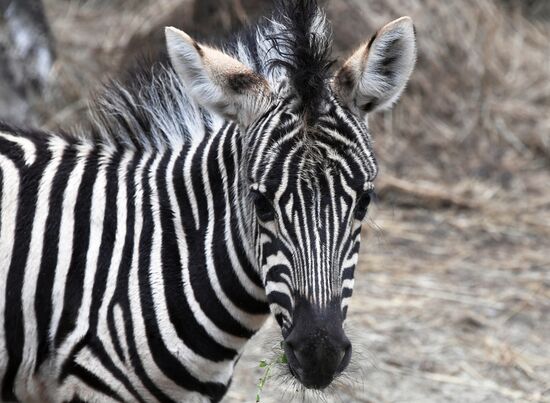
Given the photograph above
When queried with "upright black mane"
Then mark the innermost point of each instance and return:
(304, 48)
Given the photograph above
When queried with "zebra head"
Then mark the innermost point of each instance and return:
(308, 164)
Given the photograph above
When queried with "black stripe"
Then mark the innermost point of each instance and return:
(281, 299)
(198, 274)
(99, 352)
(188, 329)
(107, 244)
(166, 362)
(1, 190)
(43, 302)
(121, 292)
(13, 315)
(93, 381)
(230, 285)
(121, 289)
(233, 175)
(74, 283)
(110, 226)
(13, 152)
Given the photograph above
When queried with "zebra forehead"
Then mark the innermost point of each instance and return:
(335, 140)
(312, 160)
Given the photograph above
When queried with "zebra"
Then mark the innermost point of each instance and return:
(211, 190)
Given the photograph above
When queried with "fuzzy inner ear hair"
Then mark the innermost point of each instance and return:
(377, 72)
(216, 80)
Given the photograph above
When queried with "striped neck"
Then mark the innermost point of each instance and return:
(216, 228)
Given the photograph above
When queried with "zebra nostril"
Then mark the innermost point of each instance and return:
(290, 351)
(300, 357)
(340, 357)
(345, 357)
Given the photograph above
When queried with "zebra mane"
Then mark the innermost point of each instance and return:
(148, 109)
(303, 48)
(151, 108)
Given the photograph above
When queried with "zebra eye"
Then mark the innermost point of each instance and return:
(264, 208)
(362, 206)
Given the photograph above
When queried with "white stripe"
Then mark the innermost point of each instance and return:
(66, 233)
(317, 266)
(188, 183)
(249, 321)
(8, 211)
(334, 235)
(86, 359)
(169, 387)
(252, 289)
(112, 276)
(348, 283)
(74, 388)
(283, 187)
(130, 372)
(352, 261)
(225, 339)
(201, 368)
(282, 287)
(118, 247)
(271, 124)
(303, 231)
(243, 211)
(28, 147)
(273, 153)
(335, 156)
(25, 383)
(277, 260)
(289, 209)
(96, 220)
(363, 138)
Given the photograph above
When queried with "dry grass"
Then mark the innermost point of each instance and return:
(476, 104)
(449, 307)
(452, 299)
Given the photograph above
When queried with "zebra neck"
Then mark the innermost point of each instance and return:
(217, 225)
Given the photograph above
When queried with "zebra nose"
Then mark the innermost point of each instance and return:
(316, 359)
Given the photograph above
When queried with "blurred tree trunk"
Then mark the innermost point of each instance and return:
(214, 17)
(203, 19)
(26, 58)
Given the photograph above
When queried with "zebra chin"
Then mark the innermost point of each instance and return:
(316, 346)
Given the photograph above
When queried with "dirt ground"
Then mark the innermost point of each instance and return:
(448, 307)
(452, 292)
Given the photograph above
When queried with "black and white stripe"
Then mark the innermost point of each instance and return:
(138, 258)
(118, 292)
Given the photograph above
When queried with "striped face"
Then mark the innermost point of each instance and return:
(309, 166)
(311, 183)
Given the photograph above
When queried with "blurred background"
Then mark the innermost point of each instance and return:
(452, 294)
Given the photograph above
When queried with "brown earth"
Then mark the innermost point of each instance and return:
(449, 306)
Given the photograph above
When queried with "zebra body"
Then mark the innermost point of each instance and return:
(103, 251)
(137, 258)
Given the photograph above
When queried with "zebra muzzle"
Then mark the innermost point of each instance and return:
(317, 347)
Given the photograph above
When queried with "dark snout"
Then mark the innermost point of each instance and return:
(317, 347)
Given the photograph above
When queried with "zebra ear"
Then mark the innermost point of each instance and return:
(376, 74)
(216, 81)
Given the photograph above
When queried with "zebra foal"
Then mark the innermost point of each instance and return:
(138, 258)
